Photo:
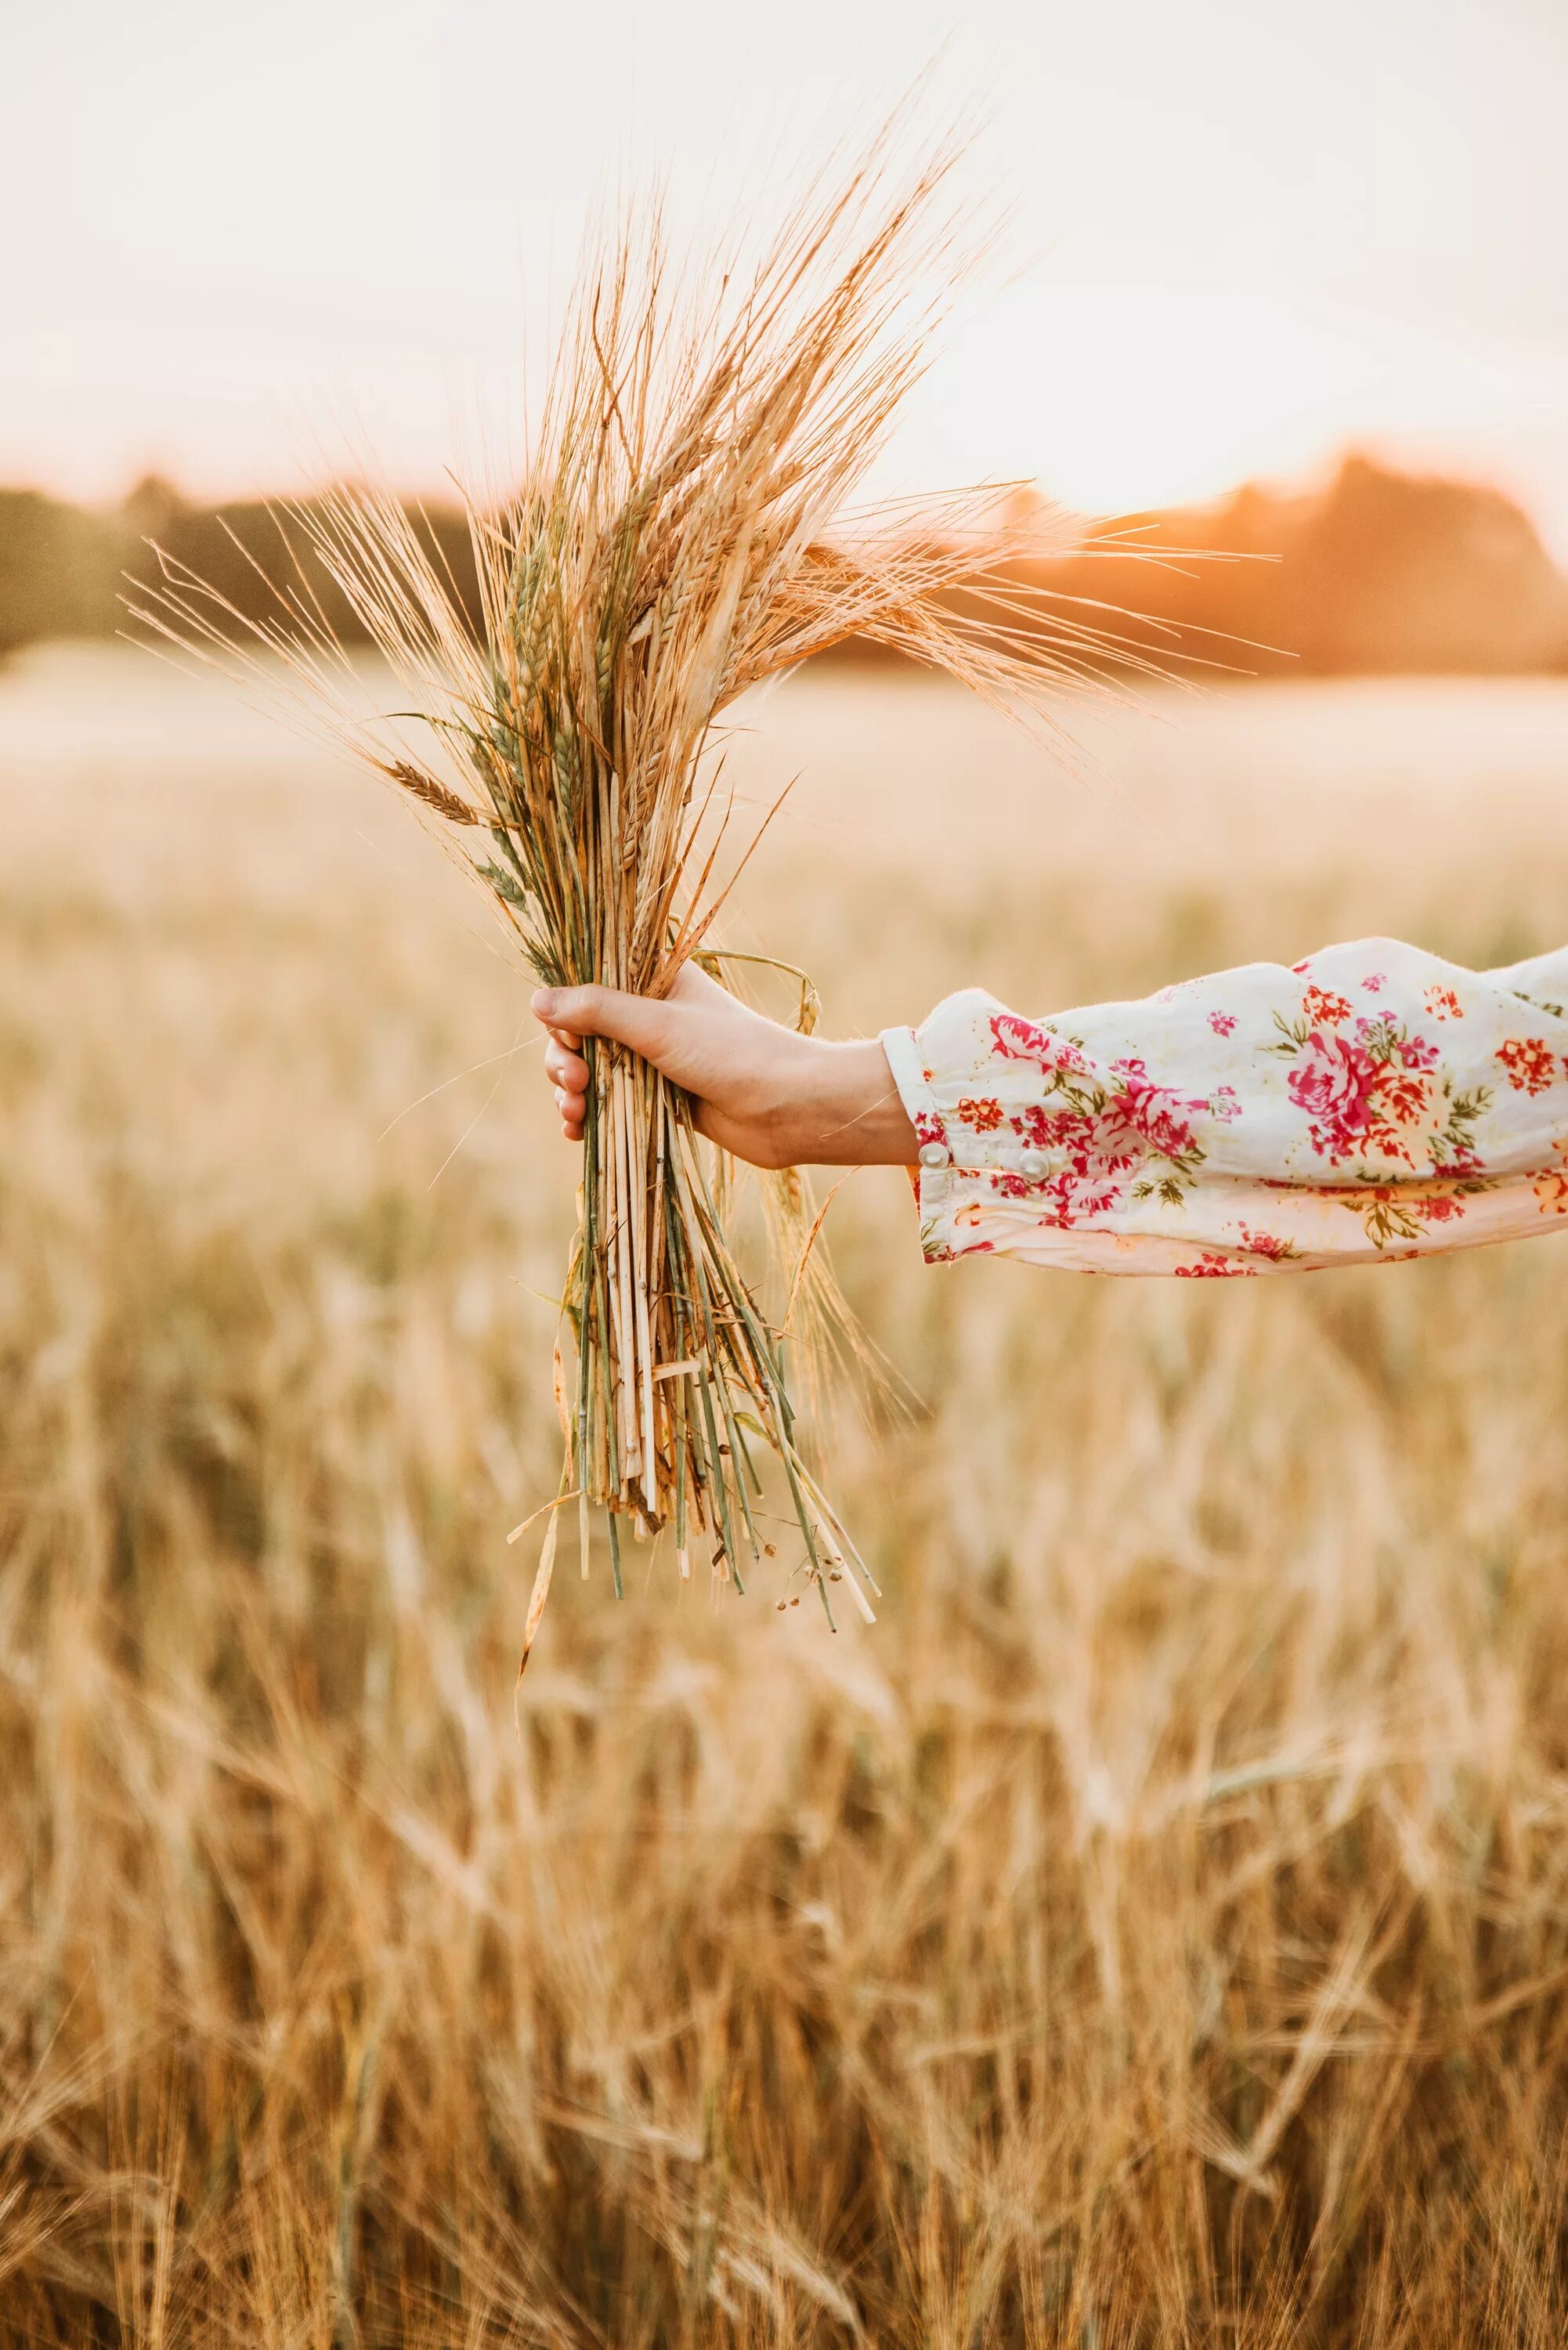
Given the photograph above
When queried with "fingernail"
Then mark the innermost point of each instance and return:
(543, 1002)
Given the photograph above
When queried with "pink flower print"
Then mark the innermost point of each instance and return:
(1225, 1103)
(1394, 1047)
(929, 1128)
(1443, 1004)
(1091, 1159)
(1397, 1210)
(1155, 1114)
(1222, 1022)
(1213, 1266)
(1442, 1208)
(1068, 1130)
(1324, 1010)
(1098, 1133)
(1021, 1040)
(1267, 1244)
(984, 1115)
(1333, 1081)
(1078, 1193)
(1530, 1063)
(1551, 1189)
(1376, 982)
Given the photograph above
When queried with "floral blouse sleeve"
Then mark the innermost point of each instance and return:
(1368, 1104)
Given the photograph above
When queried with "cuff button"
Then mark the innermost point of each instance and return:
(1032, 1164)
(934, 1154)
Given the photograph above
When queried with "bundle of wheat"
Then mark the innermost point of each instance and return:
(684, 532)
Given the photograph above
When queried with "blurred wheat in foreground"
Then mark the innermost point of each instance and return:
(1154, 1932)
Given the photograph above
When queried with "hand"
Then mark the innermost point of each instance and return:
(761, 1091)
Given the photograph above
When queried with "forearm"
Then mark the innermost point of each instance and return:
(847, 1112)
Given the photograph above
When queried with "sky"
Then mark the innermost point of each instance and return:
(1240, 234)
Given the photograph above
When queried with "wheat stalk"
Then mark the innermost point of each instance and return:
(685, 531)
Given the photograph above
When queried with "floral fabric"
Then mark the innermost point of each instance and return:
(1368, 1104)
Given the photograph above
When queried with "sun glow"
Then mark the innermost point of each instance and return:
(1251, 251)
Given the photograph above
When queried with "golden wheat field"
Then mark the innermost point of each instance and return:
(1154, 1931)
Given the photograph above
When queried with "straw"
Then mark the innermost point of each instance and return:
(685, 531)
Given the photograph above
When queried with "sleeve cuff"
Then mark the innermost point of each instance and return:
(914, 1082)
(931, 1177)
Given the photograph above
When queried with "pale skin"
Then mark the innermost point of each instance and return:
(761, 1091)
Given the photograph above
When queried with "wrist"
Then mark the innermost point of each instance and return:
(851, 1114)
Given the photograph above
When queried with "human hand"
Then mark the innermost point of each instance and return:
(761, 1091)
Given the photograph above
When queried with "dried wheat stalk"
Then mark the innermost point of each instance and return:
(684, 532)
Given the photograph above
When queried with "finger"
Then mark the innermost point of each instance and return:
(540, 1003)
(638, 1021)
(564, 1068)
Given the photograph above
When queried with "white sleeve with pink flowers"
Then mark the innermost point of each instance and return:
(1368, 1104)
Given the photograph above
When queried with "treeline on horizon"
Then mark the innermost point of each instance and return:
(72, 571)
(1376, 573)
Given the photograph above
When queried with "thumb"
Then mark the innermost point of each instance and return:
(639, 1021)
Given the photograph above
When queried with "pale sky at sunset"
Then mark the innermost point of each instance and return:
(1258, 230)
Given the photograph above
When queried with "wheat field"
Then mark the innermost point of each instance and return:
(1153, 1931)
